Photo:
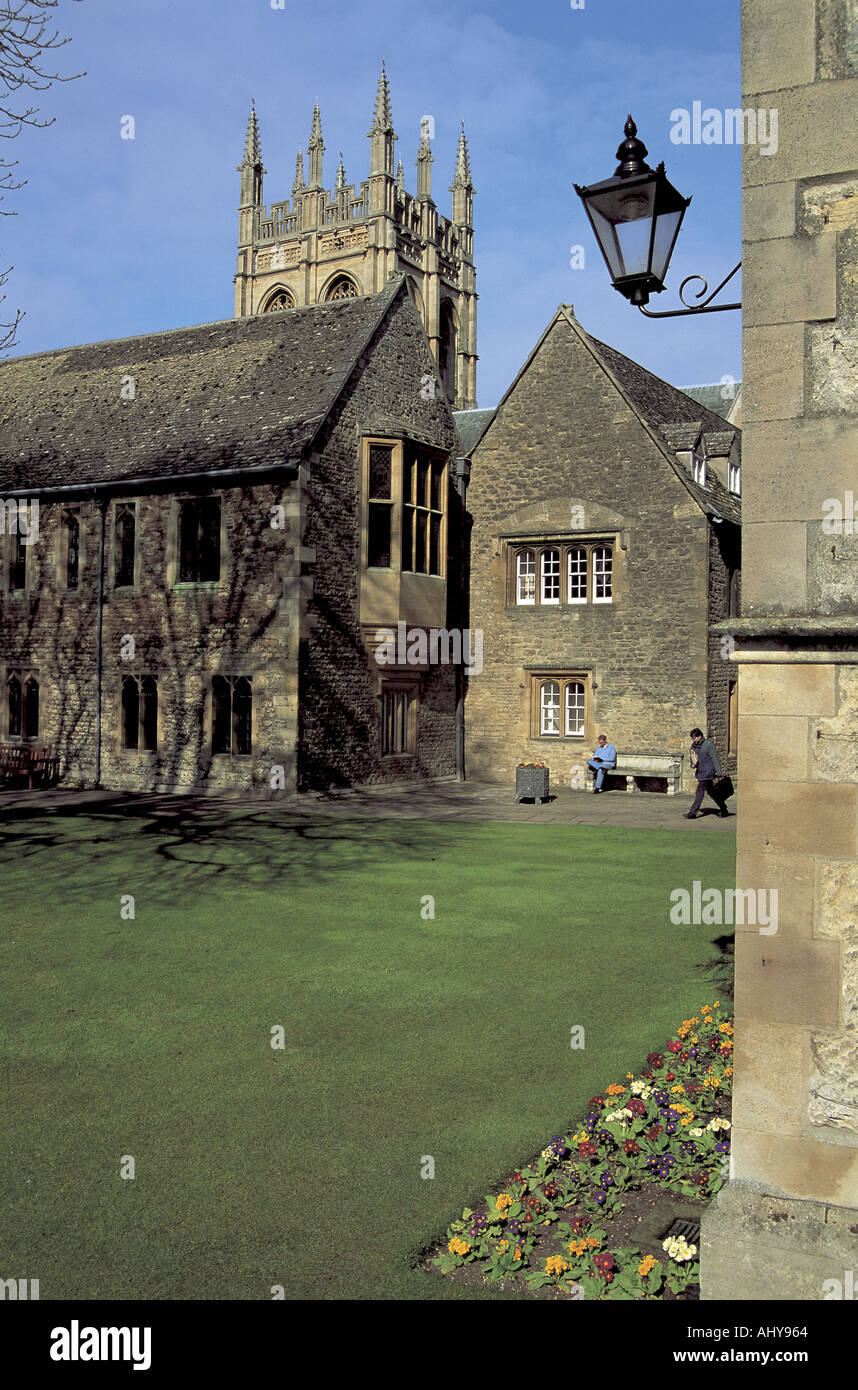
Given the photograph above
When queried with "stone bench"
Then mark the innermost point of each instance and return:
(633, 765)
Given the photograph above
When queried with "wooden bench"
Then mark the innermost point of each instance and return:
(27, 760)
(633, 765)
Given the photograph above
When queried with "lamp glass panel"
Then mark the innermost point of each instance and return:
(622, 218)
(666, 229)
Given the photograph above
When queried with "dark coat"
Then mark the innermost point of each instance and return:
(708, 763)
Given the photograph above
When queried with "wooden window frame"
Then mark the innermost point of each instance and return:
(552, 577)
(403, 452)
(565, 548)
(610, 573)
(517, 578)
(564, 680)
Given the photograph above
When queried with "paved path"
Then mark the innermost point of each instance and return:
(437, 800)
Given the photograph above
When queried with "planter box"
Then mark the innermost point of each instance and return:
(531, 782)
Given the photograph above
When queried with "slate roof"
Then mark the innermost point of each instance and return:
(673, 416)
(238, 394)
(657, 401)
(710, 397)
(471, 426)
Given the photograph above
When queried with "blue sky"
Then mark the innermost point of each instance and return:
(115, 237)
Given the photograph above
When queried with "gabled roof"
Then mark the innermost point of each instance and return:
(240, 394)
(670, 416)
(661, 408)
(657, 401)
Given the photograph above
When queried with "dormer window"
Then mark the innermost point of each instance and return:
(698, 468)
(734, 478)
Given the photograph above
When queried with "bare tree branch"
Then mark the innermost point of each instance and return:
(25, 37)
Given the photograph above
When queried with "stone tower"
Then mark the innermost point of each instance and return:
(321, 246)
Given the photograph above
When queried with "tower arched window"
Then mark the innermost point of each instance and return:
(280, 299)
(343, 287)
(447, 349)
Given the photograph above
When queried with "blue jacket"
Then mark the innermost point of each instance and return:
(708, 764)
(607, 756)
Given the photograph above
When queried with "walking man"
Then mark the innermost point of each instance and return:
(708, 773)
(603, 759)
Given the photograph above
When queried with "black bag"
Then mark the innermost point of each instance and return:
(725, 789)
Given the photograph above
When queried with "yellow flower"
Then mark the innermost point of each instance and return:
(615, 1090)
(458, 1247)
(516, 1254)
(648, 1263)
(503, 1245)
(503, 1201)
(677, 1090)
(555, 1265)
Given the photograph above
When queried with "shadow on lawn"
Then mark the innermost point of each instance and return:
(175, 849)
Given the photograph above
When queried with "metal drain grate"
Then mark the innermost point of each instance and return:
(682, 1227)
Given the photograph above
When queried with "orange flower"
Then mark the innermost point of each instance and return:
(615, 1090)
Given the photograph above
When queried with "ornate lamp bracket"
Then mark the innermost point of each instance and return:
(705, 308)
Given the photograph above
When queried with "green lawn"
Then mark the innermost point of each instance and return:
(404, 1037)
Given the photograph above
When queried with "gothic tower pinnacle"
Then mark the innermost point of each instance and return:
(461, 188)
(424, 165)
(381, 134)
(298, 184)
(315, 150)
(250, 168)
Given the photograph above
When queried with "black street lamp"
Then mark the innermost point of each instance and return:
(636, 217)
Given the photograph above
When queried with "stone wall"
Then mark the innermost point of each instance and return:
(246, 624)
(788, 1221)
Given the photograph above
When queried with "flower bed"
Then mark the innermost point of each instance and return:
(555, 1229)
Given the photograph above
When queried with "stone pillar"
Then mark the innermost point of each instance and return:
(786, 1225)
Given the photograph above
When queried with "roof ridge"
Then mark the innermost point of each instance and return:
(243, 319)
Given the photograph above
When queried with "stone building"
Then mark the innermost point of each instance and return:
(605, 543)
(320, 246)
(224, 518)
(786, 1225)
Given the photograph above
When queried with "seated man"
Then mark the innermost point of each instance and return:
(604, 758)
